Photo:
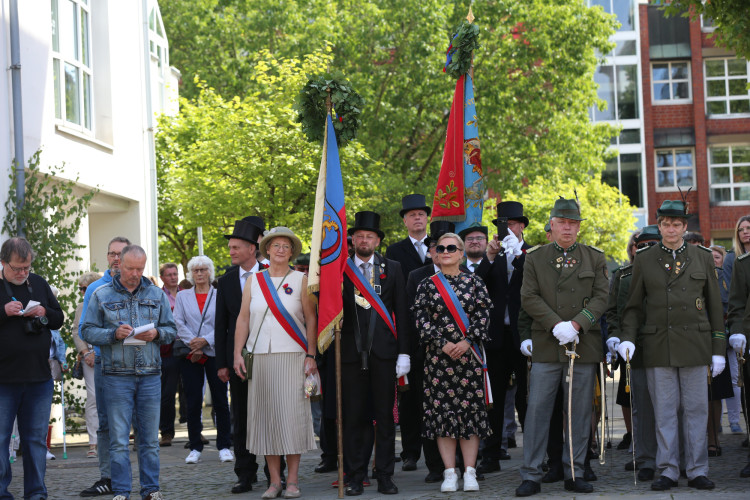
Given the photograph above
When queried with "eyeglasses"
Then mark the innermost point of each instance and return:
(475, 238)
(114, 254)
(280, 246)
(646, 244)
(24, 269)
(82, 289)
(449, 248)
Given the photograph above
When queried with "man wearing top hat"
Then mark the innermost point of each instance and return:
(243, 243)
(564, 292)
(674, 314)
(412, 253)
(372, 356)
(502, 271)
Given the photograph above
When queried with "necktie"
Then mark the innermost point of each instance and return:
(365, 266)
(244, 279)
(420, 250)
(472, 266)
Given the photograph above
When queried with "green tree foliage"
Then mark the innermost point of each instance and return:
(730, 17)
(52, 214)
(222, 159)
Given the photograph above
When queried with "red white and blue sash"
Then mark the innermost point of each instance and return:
(278, 309)
(459, 316)
(365, 288)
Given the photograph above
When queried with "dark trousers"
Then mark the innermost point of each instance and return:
(522, 382)
(245, 464)
(500, 365)
(410, 411)
(369, 394)
(170, 376)
(192, 378)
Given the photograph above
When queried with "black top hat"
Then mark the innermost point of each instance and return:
(413, 202)
(511, 210)
(366, 221)
(247, 231)
(254, 219)
(473, 228)
(439, 228)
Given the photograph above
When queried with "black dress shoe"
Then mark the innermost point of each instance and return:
(434, 477)
(554, 474)
(701, 483)
(588, 474)
(480, 476)
(646, 474)
(504, 454)
(511, 442)
(625, 443)
(746, 471)
(354, 488)
(629, 466)
(578, 485)
(386, 486)
(242, 486)
(663, 484)
(488, 466)
(326, 466)
(528, 488)
(409, 464)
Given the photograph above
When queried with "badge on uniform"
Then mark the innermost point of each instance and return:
(699, 304)
(586, 302)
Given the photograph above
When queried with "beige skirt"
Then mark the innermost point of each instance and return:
(279, 420)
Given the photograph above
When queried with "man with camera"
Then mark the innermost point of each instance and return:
(29, 311)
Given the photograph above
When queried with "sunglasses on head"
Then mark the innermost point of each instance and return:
(646, 244)
(443, 248)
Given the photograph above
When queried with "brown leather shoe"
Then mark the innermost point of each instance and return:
(165, 441)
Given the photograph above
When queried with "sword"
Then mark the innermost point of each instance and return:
(571, 353)
(612, 404)
(603, 409)
(630, 395)
(743, 389)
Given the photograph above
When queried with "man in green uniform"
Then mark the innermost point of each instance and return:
(674, 312)
(564, 292)
(738, 318)
(644, 431)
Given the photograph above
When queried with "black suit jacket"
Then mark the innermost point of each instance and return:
(405, 254)
(503, 294)
(228, 302)
(384, 344)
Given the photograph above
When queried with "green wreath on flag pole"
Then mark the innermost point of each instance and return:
(311, 106)
(463, 43)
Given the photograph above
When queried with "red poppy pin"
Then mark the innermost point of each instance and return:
(382, 276)
(287, 289)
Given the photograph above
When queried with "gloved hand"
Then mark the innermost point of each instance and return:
(403, 365)
(738, 342)
(612, 344)
(512, 244)
(611, 357)
(626, 348)
(526, 347)
(565, 332)
(717, 365)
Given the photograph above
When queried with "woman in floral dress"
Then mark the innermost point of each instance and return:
(454, 392)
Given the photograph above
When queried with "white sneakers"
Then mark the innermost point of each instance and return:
(470, 479)
(225, 455)
(450, 480)
(50, 456)
(194, 457)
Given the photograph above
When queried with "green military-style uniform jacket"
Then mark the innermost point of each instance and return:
(618, 299)
(674, 312)
(738, 315)
(565, 287)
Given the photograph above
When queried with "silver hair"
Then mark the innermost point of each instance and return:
(200, 260)
(134, 249)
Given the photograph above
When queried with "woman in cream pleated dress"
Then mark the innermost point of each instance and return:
(278, 414)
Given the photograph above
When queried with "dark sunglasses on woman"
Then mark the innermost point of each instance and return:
(449, 248)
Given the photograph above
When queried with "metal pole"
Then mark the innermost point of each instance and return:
(200, 240)
(19, 159)
(339, 414)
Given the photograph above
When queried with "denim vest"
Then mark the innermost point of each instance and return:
(112, 305)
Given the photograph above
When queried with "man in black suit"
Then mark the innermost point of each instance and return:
(371, 357)
(243, 243)
(412, 253)
(502, 271)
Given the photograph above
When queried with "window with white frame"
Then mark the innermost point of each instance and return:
(675, 167)
(71, 62)
(726, 86)
(670, 82)
(729, 168)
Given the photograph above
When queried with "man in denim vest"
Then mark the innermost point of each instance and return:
(129, 319)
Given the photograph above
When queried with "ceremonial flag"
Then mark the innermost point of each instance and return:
(328, 252)
(459, 195)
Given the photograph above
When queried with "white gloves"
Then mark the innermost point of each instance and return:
(526, 347)
(403, 365)
(738, 342)
(717, 365)
(565, 332)
(610, 357)
(626, 348)
(512, 245)
(612, 344)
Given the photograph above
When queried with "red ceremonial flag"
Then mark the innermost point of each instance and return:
(449, 193)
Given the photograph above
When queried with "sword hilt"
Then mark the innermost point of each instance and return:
(627, 366)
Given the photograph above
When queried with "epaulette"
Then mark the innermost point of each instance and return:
(625, 268)
(644, 249)
(597, 249)
(532, 249)
(744, 255)
(704, 248)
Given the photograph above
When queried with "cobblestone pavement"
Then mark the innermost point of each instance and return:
(212, 480)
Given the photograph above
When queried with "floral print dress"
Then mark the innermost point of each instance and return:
(454, 404)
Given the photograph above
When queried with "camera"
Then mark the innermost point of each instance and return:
(37, 324)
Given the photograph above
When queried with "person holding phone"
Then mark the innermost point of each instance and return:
(195, 314)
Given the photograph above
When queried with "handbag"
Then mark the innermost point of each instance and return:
(179, 348)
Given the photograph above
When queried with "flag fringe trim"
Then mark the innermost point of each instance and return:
(325, 337)
(450, 218)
